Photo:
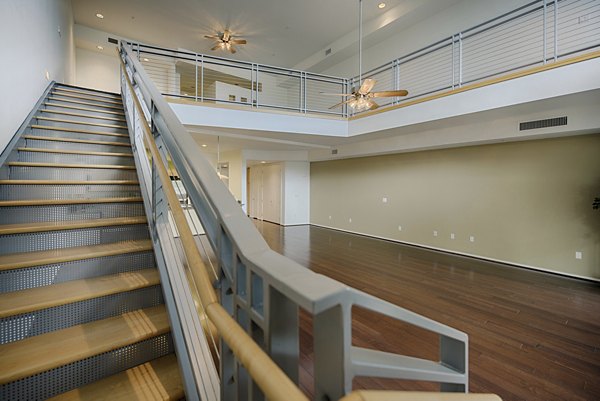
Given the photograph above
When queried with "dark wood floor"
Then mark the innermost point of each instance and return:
(533, 336)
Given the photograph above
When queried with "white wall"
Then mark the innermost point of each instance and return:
(296, 193)
(98, 71)
(32, 45)
(452, 20)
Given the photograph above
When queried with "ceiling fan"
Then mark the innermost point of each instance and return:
(361, 98)
(225, 40)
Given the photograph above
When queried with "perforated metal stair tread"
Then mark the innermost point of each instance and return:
(33, 299)
(94, 93)
(60, 99)
(67, 165)
(64, 255)
(105, 101)
(78, 131)
(368, 362)
(75, 152)
(66, 113)
(64, 106)
(155, 380)
(68, 121)
(69, 182)
(73, 140)
(37, 354)
(7, 229)
(40, 202)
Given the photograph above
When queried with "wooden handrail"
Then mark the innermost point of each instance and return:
(273, 382)
(381, 395)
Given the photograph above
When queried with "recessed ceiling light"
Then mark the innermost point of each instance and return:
(145, 59)
(204, 145)
(381, 5)
(263, 162)
(100, 16)
(99, 47)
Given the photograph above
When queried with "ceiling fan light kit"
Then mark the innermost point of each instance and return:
(225, 41)
(362, 99)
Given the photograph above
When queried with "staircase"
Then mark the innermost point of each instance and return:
(81, 307)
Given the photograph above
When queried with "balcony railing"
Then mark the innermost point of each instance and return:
(541, 32)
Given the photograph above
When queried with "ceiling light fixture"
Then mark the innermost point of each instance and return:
(99, 47)
(381, 5)
(225, 41)
(145, 59)
(263, 162)
(361, 97)
(100, 16)
(204, 145)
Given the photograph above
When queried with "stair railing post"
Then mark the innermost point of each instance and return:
(455, 355)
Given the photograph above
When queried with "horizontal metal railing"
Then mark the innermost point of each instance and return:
(537, 33)
(261, 292)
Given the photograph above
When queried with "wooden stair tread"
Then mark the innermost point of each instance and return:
(33, 299)
(83, 109)
(87, 201)
(113, 96)
(59, 99)
(75, 152)
(66, 113)
(69, 182)
(77, 130)
(50, 350)
(67, 165)
(7, 229)
(153, 381)
(62, 120)
(63, 255)
(86, 98)
(73, 140)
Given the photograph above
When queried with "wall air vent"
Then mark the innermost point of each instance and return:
(113, 41)
(550, 122)
(334, 151)
(328, 52)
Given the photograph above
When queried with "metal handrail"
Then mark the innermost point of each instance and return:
(265, 289)
(271, 380)
(456, 60)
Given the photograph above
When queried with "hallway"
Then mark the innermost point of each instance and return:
(532, 335)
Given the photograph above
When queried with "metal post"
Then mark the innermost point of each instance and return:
(454, 354)
(202, 78)
(453, 63)
(332, 365)
(544, 29)
(300, 92)
(305, 98)
(555, 30)
(256, 86)
(460, 60)
(196, 80)
(281, 317)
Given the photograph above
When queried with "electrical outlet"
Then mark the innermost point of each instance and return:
(435, 234)
(384, 199)
(472, 238)
(399, 228)
(578, 255)
(451, 235)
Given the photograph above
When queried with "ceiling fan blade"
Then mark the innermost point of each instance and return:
(238, 41)
(366, 86)
(226, 35)
(335, 94)
(211, 36)
(231, 49)
(390, 93)
(215, 47)
(372, 105)
(340, 103)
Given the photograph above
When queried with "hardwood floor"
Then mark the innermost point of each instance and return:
(533, 335)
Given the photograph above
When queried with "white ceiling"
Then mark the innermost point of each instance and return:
(279, 32)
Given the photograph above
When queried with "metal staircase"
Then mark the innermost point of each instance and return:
(81, 307)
